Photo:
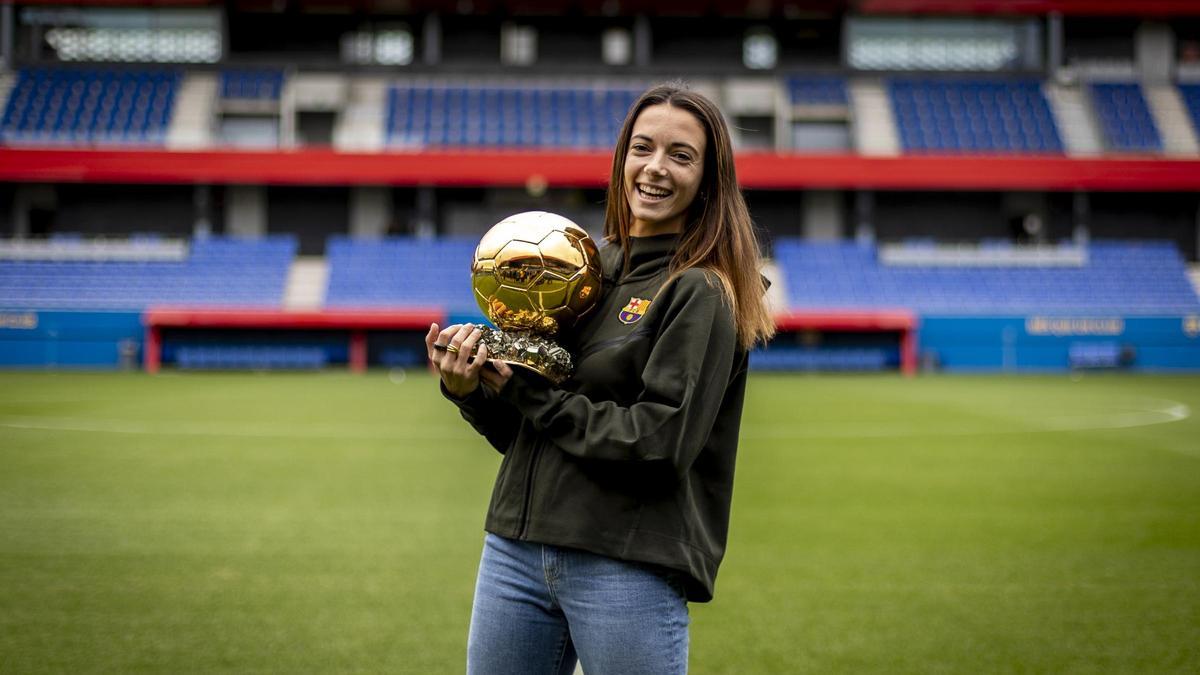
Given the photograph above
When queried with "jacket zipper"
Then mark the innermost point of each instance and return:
(533, 460)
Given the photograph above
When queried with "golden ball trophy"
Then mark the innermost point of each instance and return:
(534, 274)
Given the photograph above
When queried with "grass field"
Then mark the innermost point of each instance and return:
(314, 523)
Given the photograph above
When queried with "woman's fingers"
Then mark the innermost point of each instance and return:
(503, 368)
(491, 379)
(455, 344)
(467, 348)
(474, 366)
(430, 338)
(448, 332)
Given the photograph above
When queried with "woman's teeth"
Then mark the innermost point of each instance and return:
(652, 193)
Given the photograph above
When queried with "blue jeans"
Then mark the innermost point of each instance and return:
(538, 608)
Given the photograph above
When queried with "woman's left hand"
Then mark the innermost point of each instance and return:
(497, 376)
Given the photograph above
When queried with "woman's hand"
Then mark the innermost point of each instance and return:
(451, 351)
(497, 376)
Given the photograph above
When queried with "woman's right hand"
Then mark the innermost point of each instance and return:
(459, 372)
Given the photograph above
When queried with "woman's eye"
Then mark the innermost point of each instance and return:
(683, 157)
(640, 147)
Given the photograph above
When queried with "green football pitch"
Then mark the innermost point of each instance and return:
(321, 523)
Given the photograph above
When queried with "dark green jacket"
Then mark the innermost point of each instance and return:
(633, 456)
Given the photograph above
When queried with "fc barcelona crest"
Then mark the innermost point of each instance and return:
(634, 310)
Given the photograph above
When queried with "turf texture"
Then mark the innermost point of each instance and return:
(328, 523)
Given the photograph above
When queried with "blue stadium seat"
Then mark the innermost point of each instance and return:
(423, 116)
(1121, 277)
(816, 90)
(217, 271)
(992, 116)
(1125, 118)
(401, 271)
(89, 106)
(1190, 93)
(266, 85)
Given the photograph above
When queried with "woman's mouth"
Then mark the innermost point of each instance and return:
(652, 193)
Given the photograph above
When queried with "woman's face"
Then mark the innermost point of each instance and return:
(663, 168)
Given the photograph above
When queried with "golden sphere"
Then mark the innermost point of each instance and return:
(537, 272)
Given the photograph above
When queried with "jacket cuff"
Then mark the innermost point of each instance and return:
(471, 401)
(524, 392)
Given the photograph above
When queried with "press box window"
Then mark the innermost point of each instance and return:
(518, 45)
(126, 35)
(390, 46)
(760, 50)
(616, 47)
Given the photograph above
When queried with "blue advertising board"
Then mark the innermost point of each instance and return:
(64, 339)
(1056, 343)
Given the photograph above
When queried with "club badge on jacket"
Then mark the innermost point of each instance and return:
(634, 310)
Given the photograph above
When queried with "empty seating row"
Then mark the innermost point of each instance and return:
(506, 116)
(1124, 117)
(235, 357)
(800, 358)
(251, 84)
(216, 271)
(401, 271)
(82, 106)
(1190, 93)
(1130, 278)
(816, 90)
(973, 116)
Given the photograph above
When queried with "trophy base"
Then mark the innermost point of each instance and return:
(529, 351)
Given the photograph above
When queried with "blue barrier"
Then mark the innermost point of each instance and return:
(62, 339)
(66, 339)
(1045, 343)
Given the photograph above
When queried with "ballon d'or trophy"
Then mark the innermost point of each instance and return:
(534, 274)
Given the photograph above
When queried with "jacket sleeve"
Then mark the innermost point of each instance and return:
(683, 385)
(495, 419)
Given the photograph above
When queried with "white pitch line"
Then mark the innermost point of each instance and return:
(1164, 412)
(221, 429)
(1147, 414)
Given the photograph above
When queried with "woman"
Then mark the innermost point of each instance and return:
(611, 508)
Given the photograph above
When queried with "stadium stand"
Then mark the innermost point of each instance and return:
(791, 358)
(89, 106)
(816, 90)
(1125, 118)
(506, 116)
(1190, 93)
(251, 84)
(222, 357)
(216, 271)
(973, 116)
(401, 271)
(1132, 278)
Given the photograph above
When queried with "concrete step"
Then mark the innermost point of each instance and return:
(8, 80)
(874, 125)
(307, 282)
(360, 126)
(1075, 117)
(1172, 119)
(777, 295)
(193, 118)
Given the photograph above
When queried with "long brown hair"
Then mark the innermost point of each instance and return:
(718, 234)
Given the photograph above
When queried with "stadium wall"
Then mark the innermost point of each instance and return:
(1057, 343)
(115, 340)
(65, 339)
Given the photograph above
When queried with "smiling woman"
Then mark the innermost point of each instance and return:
(663, 169)
(611, 510)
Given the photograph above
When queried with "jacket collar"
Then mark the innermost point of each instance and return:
(648, 256)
